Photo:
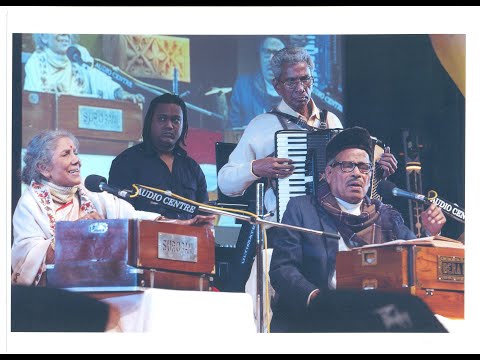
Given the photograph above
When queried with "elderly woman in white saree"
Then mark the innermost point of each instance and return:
(49, 69)
(56, 192)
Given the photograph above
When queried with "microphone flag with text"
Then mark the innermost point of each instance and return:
(387, 189)
(97, 183)
(164, 199)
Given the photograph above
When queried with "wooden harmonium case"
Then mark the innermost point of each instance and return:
(431, 268)
(121, 254)
(181, 256)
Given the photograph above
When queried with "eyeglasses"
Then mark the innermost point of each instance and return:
(349, 166)
(306, 81)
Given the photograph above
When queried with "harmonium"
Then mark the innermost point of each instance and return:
(432, 269)
(104, 127)
(128, 255)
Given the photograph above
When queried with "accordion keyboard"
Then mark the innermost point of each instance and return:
(307, 150)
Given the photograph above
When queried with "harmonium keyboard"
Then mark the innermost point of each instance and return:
(307, 150)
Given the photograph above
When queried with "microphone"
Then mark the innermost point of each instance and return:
(97, 183)
(386, 188)
(74, 55)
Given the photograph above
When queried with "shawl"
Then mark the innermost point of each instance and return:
(374, 225)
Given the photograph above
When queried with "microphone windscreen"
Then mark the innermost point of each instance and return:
(73, 54)
(92, 182)
(385, 188)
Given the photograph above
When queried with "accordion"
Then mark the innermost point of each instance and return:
(307, 150)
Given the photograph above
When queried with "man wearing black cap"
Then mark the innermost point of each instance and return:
(253, 158)
(303, 264)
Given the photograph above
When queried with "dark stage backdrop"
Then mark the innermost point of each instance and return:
(396, 82)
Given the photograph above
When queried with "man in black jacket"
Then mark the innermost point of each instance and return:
(303, 264)
(161, 161)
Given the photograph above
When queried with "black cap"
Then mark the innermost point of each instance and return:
(351, 138)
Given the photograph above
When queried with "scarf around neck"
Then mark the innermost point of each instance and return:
(44, 198)
(60, 194)
(59, 74)
(374, 225)
(57, 61)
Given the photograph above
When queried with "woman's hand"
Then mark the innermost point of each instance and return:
(203, 220)
(92, 216)
(197, 220)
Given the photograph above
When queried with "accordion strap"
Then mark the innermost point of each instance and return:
(300, 122)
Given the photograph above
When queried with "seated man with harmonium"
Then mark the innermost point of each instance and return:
(303, 264)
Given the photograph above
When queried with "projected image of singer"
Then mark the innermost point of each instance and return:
(254, 94)
(161, 161)
(303, 265)
(59, 65)
(56, 192)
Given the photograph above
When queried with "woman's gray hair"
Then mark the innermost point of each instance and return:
(40, 44)
(290, 55)
(40, 152)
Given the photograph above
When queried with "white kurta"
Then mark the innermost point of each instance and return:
(258, 142)
(32, 230)
(45, 74)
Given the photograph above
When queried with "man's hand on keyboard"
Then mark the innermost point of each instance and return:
(272, 167)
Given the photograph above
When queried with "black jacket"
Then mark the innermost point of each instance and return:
(140, 165)
(301, 262)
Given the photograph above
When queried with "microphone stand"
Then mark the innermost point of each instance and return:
(260, 220)
(252, 219)
(260, 240)
(120, 77)
(257, 219)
